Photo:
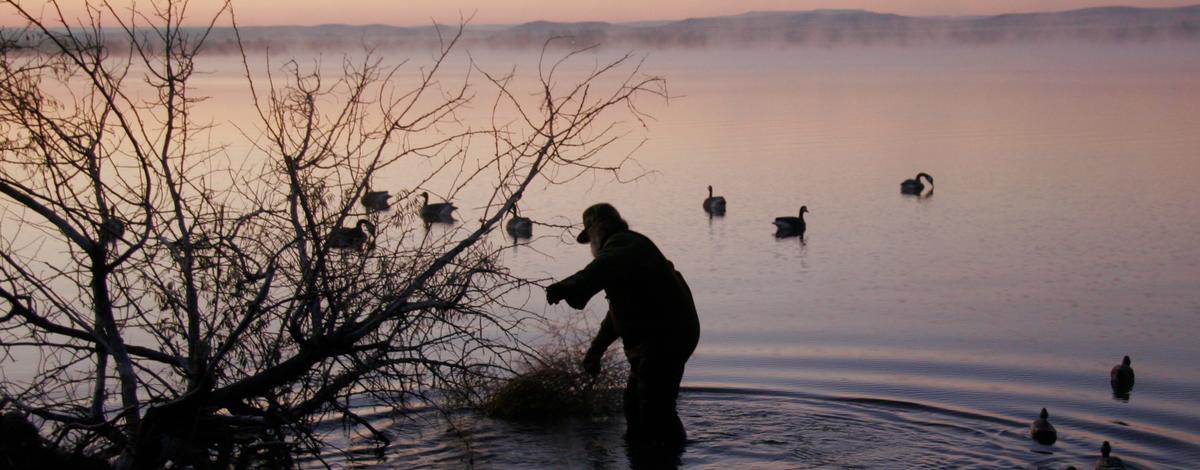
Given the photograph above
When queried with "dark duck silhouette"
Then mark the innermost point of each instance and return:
(1121, 377)
(1042, 431)
(111, 230)
(714, 204)
(1108, 462)
(351, 238)
(376, 201)
(436, 212)
(517, 226)
(791, 226)
(914, 186)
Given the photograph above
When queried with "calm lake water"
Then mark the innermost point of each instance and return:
(901, 332)
(905, 332)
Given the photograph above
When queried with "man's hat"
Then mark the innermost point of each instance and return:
(596, 213)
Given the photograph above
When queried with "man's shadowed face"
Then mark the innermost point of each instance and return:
(595, 235)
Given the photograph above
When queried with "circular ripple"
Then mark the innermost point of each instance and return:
(730, 428)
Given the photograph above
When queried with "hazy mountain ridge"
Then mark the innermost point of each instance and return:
(823, 28)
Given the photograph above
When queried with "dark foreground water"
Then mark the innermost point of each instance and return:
(742, 428)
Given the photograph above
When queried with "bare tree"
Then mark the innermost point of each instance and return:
(186, 307)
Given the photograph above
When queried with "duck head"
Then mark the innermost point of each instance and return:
(365, 223)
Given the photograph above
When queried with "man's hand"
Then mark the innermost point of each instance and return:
(591, 362)
(554, 294)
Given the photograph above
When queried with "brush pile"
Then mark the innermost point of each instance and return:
(554, 386)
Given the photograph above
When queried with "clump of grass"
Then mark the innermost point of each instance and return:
(554, 386)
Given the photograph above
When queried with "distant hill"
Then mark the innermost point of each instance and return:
(822, 28)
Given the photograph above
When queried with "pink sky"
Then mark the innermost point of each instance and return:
(423, 12)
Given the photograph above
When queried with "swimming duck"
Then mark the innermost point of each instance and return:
(714, 204)
(437, 212)
(791, 226)
(914, 186)
(111, 230)
(376, 201)
(346, 238)
(1042, 431)
(517, 226)
(1121, 377)
(1107, 462)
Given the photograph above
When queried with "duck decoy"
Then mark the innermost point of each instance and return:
(376, 201)
(347, 238)
(199, 246)
(111, 230)
(914, 186)
(436, 212)
(714, 204)
(1042, 431)
(791, 226)
(1108, 462)
(1121, 377)
(517, 226)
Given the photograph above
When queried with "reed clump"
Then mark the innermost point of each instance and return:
(553, 386)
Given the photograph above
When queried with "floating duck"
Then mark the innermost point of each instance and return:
(1107, 462)
(791, 226)
(436, 212)
(1121, 377)
(714, 204)
(914, 186)
(517, 226)
(1042, 431)
(376, 201)
(347, 238)
(111, 230)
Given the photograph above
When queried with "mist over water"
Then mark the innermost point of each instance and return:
(821, 28)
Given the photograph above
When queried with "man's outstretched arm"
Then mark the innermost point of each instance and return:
(615, 259)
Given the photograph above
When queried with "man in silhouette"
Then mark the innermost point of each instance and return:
(650, 309)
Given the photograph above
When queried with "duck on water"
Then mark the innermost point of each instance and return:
(436, 212)
(1121, 378)
(351, 238)
(791, 226)
(714, 204)
(1042, 431)
(517, 226)
(1108, 462)
(914, 186)
(375, 201)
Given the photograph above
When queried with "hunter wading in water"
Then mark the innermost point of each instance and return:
(650, 309)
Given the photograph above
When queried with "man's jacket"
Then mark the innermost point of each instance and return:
(650, 305)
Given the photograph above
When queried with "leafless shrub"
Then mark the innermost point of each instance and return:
(553, 386)
(183, 307)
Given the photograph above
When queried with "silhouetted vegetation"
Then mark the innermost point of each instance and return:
(190, 308)
(552, 386)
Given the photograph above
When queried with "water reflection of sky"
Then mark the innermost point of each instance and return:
(1062, 236)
